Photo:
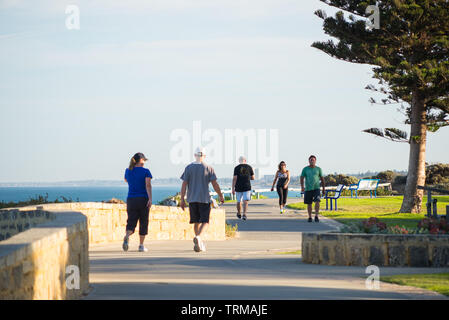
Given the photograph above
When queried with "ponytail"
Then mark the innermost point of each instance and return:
(132, 163)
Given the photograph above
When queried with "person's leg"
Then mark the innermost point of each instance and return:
(245, 207)
(238, 196)
(281, 200)
(131, 223)
(143, 220)
(317, 200)
(285, 196)
(204, 210)
(195, 220)
(202, 228)
(309, 210)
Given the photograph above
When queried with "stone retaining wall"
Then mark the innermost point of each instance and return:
(107, 222)
(15, 221)
(33, 262)
(375, 249)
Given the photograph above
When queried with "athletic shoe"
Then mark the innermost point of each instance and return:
(202, 246)
(196, 246)
(239, 216)
(310, 220)
(142, 248)
(316, 219)
(125, 243)
(282, 211)
(244, 217)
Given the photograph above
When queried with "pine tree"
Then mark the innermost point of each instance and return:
(409, 51)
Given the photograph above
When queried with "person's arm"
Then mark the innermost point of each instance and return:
(183, 194)
(234, 181)
(288, 180)
(149, 191)
(217, 190)
(323, 185)
(253, 177)
(302, 183)
(274, 181)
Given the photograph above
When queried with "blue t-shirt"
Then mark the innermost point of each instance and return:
(136, 181)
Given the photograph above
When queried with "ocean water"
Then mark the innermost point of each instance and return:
(94, 194)
(82, 194)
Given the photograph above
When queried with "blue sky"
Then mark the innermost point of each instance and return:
(77, 104)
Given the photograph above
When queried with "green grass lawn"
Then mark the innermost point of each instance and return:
(385, 208)
(438, 282)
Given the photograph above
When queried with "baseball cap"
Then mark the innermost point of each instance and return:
(200, 151)
(139, 156)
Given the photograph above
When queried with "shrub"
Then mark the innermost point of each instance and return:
(434, 226)
(371, 225)
(386, 176)
(336, 179)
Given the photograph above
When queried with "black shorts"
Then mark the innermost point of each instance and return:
(137, 212)
(312, 196)
(199, 212)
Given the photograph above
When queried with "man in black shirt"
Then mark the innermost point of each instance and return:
(241, 185)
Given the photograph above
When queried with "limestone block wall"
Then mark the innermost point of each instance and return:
(40, 242)
(33, 263)
(107, 222)
(15, 221)
(375, 249)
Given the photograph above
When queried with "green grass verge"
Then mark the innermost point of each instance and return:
(385, 208)
(438, 282)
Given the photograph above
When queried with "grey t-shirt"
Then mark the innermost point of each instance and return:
(198, 176)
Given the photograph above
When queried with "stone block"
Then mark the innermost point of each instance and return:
(440, 257)
(397, 255)
(355, 256)
(376, 255)
(418, 256)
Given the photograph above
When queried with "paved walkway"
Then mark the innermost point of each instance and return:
(251, 266)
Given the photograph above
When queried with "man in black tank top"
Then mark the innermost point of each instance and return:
(241, 185)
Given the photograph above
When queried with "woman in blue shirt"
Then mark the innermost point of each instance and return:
(139, 199)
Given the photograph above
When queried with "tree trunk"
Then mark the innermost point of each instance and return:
(417, 160)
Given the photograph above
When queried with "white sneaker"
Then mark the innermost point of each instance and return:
(202, 246)
(142, 248)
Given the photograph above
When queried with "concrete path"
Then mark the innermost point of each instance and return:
(252, 266)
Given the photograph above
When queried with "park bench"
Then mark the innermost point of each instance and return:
(337, 193)
(365, 185)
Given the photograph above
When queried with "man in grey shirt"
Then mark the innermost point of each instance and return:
(196, 179)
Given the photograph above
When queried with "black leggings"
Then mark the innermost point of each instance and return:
(137, 211)
(282, 195)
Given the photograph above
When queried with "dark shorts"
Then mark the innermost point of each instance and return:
(312, 196)
(137, 212)
(199, 212)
